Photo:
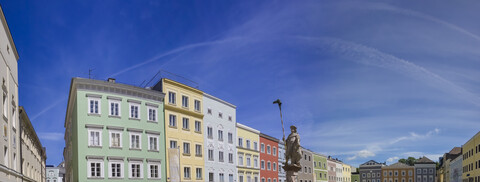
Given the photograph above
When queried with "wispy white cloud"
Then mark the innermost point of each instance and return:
(49, 107)
(53, 136)
(392, 159)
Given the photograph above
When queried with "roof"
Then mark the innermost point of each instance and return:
(398, 165)
(456, 150)
(24, 119)
(9, 35)
(245, 127)
(424, 160)
(219, 100)
(371, 163)
(269, 137)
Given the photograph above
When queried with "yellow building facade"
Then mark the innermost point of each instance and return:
(347, 172)
(183, 130)
(248, 155)
(471, 159)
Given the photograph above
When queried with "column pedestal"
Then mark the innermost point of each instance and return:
(291, 172)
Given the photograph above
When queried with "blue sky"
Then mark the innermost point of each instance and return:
(364, 80)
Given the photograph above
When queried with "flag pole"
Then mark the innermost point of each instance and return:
(281, 118)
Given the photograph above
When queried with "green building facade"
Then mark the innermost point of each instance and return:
(355, 177)
(114, 132)
(320, 167)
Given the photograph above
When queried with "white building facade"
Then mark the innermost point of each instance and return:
(339, 171)
(10, 144)
(281, 161)
(53, 174)
(219, 149)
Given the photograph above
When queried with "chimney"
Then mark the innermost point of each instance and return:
(111, 80)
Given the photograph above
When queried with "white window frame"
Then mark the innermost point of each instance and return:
(247, 143)
(189, 173)
(211, 155)
(139, 140)
(198, 173)
(221, 156)
(220, 135)
(230, 137)
(197, 103)
(255, 146)
(89, 172)
(187, 121)
(240, 160)
(155, 115)
(186, 150)
(99, 138)
(159, 172)
(111, 140)
(184, 98)
(99, 100)
(172, 118)
(249, 160)
(112, 101)
(240, 142)
(5, 104)
(274, 151)
(170, 99)
(130, 174)
(198, 126)
(230, 158)
(255, 161)
(157, 137)
(110, 169)
(269, 149)
(209, 132)
(262, 147)
(198, 150)
(175, 142)
(130, 105)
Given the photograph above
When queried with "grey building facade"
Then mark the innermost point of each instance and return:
(425, 170)
(371, 171)
(306, 173)
(456, 169)
(281, 161)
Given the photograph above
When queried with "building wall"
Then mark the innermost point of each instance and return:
(269, 157)
(355, 177)
(79, 122)
(320, 168)
(331, 171)
(183, 134)
(53, 175)
(471, 158)
(370, 172)
(306, 173)
(247, 173)
(33, 155)
(346, 172)
(226, 123)
(398, 174)
(425, 172)
(456, 169)
(339, 171)
(281, 161)
(10, 145)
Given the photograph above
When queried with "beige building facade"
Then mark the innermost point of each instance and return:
(32, 152)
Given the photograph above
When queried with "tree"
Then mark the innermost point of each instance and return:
(409, 161)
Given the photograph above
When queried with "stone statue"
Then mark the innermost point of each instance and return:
(293, 152)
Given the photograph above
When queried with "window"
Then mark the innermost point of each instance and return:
(185, 124)
(229, 118)
(210, 177)
(220, 156)
(186, 148)
(198, 150)
(173, 120)
(154, 171)
(262, 164)
(268, 149)
(240, 178)
(199, 173)
(230, 178)
(210, 132)
(255, 161)
(114, 108)
(95, 138)
(230, 158)
(248, 144)
(221, 177)
(153, 142)
(198, 126)
(209, 111)
(135, 141)
(419, 171)
(240, 142)
(410, 173)
(240, 160)
(230, 137)
(152, 114)
(249, 162)
(185, 102)
(5, 156)
(197, 105)
(220, 114)
(95, 168)
(93, 105)
(186, 172)
(269, 166)
(210, 154)
(134, 110)
(135, 170)
(116, 139)
(173, 144)
(171, 97)
(5, 105)
(220, 135)
(116, 169)
(274, 166)
(14, 117)
(255, 146)
(396, 173)
(274, 151)
(14, 161)
(262, 148)
(403, 173)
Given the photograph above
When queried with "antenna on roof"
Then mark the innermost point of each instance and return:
(161, 71)
(90, 73)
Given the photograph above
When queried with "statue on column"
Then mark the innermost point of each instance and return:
(293, 152)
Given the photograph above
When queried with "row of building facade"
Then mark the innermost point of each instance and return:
(424, 170)
(172, 132)
(22, 154)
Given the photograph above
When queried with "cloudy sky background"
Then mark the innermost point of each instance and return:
(365, 80)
